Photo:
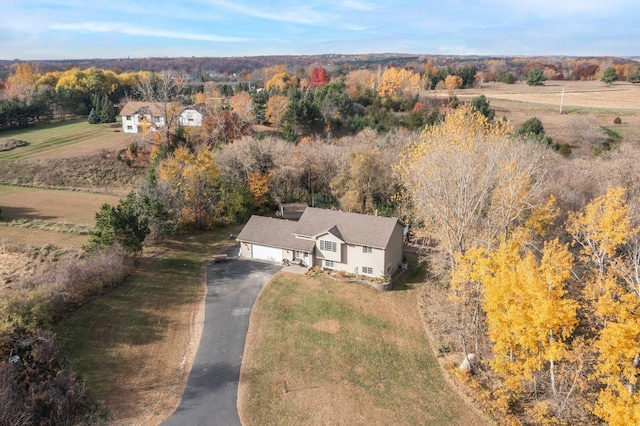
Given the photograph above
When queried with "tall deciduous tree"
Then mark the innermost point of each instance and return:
(469, 181)
(194, 179)
(166, 89)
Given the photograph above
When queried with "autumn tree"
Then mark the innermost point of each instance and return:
(319, 77)
(602, 228)
(194, 180)
(399, 82)
(469, 181)
(529, 319)
(451, 83)
(358, 186)
(23, 81)
(277, 106)
(242, 105)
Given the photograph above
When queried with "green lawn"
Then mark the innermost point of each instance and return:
(321, 352)
(132, 344)
(64, 139)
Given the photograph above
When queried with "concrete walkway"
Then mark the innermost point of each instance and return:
(210, 397)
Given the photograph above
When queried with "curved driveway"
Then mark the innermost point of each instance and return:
(212, 389)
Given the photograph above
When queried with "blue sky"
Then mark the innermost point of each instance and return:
(74, 29)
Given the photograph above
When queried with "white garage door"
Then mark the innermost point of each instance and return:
(266, 253)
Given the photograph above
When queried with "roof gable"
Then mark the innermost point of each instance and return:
(353, 228)
(274, 233)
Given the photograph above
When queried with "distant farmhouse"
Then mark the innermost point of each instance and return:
(351, 242)
(144, 117)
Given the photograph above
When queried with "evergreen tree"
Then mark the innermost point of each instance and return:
(93, 117)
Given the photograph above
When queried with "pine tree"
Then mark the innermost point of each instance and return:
(93, 117)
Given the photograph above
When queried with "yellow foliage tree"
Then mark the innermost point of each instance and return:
(602, 227)
(529, 319)
(194, 180)
(281, 82)
(242, 106)
(399, 82)
(451, 83)
(259, 188)
(277, 106)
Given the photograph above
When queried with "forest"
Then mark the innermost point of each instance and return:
(532, 253)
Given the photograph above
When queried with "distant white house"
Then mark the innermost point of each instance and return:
(144, 117)
(141, 117)
(193, 115)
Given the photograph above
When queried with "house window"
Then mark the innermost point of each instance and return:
(367, 270)
(328, 246)
(329, 263)
(388, 268)
(127, 117)
(156, 119)
(129, 127)
(367, 249)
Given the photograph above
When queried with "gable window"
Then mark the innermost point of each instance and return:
(367, 249)
(329, 263)
(328, 246)
(367, 270)
(127, 117)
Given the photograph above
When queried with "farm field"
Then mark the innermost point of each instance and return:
(72, 138)
(323, 352)
(591, 102)
(37, 217)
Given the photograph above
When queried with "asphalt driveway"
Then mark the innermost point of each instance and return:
(212, 389)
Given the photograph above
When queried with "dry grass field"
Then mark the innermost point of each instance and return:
(72, 138)
(583, 102)
(321, 352)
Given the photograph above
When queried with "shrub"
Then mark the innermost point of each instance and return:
(617, 120)
(44, 390)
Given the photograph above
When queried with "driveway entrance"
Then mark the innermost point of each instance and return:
(212, 389)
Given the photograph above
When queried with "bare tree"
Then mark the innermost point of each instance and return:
(166, 90)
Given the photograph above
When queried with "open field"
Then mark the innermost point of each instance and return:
(135, 346)
(584, 101)
(66, 139)
(322, 352)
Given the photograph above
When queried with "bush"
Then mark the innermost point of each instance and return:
(617, 120)
(43, 390)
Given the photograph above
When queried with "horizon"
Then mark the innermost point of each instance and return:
(70, 30)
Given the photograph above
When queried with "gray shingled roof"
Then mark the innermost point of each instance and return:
(273, 232)
(353, 228)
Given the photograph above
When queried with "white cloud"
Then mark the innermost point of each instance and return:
(106, 27)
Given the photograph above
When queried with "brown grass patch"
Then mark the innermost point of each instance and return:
(52, 205)
(327, 326)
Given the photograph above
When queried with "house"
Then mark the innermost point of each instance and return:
(142, 117)
(351, 242)
(193, 115)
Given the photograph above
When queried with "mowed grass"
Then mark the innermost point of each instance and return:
(135, 346)
(321, 352)
(37, 216)
(65, 139)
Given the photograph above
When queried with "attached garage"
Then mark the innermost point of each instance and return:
(271, 254)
